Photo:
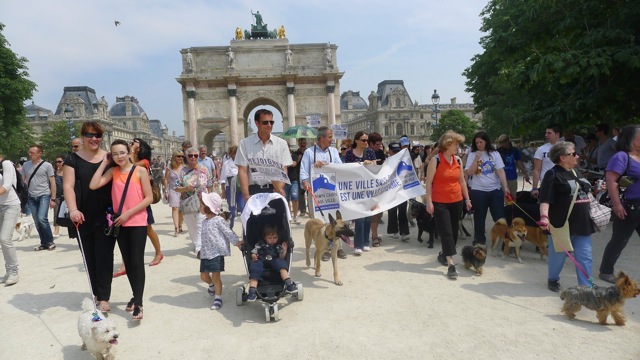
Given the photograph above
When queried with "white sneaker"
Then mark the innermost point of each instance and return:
(357, 252)
(366, 248)
(395, 236)
(405, 238)
(11, 279)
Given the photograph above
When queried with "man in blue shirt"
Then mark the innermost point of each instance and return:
(207, 162)
(512, 162)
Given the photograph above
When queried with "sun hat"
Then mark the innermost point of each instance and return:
(213, 201)
(395, 147)
(404, 141)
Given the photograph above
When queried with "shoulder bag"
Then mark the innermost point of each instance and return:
(111, 229)
(624, 181)
(191, 204)
(561, 236)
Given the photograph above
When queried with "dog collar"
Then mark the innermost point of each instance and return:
(95, 317)
(325, 234)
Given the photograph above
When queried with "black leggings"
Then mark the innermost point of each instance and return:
(131, 241)
(447, 217)
(622, 231)
(98, 253)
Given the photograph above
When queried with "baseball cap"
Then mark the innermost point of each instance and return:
(502, 138)
(395, 146)
(213, 201)
(404, 141)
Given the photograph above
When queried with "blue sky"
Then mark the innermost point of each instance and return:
(75, 42)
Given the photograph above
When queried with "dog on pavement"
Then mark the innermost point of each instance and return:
(426, 222)
(513, 236)
(98, 333)
(604, 301)
(474, 256)
(323, 235)
(24, 226)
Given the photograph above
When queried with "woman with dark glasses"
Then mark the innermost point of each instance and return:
(171, 177)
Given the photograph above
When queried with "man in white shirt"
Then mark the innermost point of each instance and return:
(541, 161)
(260, 148)
(207, 162)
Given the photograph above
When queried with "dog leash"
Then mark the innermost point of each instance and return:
(309, 190)
(577, 265)
(510, 201)
(86, 271)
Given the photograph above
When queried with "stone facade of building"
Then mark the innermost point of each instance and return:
(391, 113)
(124, 120)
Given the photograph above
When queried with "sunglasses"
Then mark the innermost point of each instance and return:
(75, 146)
(59, 161)
(574, 154)
(364, 140)
(268, 122)
(193, 155)
(179, 156)
(343, 149)
(92, 135)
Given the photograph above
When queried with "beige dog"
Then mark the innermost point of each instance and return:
(513, 236)
(324, 235)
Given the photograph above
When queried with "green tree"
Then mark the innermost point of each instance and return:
(573, 62)
(15, 89)
(57, 139)
(457, 121)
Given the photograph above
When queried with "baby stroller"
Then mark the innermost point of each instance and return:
(260, 210)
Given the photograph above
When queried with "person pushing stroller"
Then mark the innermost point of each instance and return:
(268, 253)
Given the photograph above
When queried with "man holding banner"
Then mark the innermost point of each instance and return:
(322, 153)
(262, 159)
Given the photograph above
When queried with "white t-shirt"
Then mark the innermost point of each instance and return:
(543, 154)
(488, 180)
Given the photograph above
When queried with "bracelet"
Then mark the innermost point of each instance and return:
(467, 200)
(534, 189)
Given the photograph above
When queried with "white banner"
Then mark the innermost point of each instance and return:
(263, 171)
(359, 191)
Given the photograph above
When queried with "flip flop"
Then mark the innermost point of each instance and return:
(119, 273)
(154, 263)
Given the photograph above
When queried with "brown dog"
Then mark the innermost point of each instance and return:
(536, 236)
(513, 236)
(325, 235)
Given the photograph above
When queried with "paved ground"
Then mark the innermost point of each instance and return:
(396, 302)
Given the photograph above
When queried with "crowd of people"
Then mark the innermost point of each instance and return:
(93, 182)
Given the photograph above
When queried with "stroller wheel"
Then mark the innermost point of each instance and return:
(300, 294)
(239, 296)
(267, 313)
(274, 313)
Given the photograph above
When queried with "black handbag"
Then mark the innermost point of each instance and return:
(63, 217)
(113, 230)
(624, 181)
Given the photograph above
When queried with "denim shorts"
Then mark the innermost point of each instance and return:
(212, 265)
(291, 191)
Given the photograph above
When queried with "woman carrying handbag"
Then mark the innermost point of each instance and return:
(193, 180)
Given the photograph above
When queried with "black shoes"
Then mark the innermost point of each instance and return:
(553, 285)
(442, 259)
(452, 273)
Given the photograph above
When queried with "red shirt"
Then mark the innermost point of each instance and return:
(446, 182)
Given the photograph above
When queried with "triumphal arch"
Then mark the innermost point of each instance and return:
(221, 85)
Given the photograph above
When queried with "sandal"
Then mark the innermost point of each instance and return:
(137, 313)
(103, 306)
(154, 262)
(130, 305)
(176, 233)
(180, 229)
(119, 273)
(376, 241)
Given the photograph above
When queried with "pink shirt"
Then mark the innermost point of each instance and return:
(134, 196)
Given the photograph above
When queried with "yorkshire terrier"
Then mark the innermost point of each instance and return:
(474, 256)
(603, 301)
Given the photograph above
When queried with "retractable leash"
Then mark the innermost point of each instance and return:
(86, 271)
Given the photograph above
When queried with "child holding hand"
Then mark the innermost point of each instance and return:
(268, 253)
(216, 238)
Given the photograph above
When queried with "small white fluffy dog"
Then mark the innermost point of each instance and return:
(97, 336)
(24, 226)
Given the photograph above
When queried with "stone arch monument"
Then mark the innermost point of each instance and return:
(219, 90)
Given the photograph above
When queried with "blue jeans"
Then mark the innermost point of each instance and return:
(39, 207)
(483, 201)
(291, 190)
(235, 203)
(581, 252)
(363, 228)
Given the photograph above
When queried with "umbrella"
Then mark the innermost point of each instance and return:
(299, 131)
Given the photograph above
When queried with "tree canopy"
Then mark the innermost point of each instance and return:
(56, 140)
(573, 62)
(15, 89)
(457, 121)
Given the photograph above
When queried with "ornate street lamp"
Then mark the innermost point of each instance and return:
(435, 99)
(68, 114)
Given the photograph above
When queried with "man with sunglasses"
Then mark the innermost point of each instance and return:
(76, 145)
(41, 184)
(259, 147)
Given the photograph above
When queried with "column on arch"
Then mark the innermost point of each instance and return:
(191, 113)
(233, 115)
(331, 105)
(291, 103)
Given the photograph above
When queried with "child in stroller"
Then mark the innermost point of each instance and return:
(268, 253)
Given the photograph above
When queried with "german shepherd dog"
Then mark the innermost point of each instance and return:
(325, 235)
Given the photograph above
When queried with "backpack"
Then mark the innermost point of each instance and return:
(457, 159)
(20, 188)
